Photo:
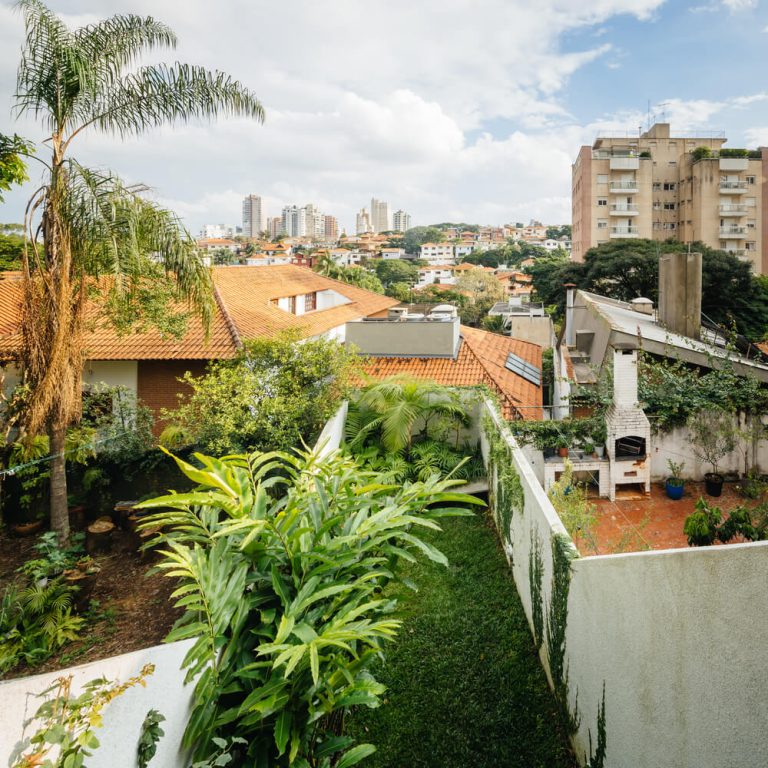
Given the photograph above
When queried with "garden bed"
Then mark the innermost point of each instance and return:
(465, 687)
(129, 610)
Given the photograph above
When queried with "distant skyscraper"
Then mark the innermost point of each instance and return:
(315, 224)
(363, 222)
(331, 227)
(401, 221)
(253, 217)
(294, 221)
(217, 231)
(380, 218)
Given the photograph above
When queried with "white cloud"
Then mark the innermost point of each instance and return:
(392, 100)
(734, 6)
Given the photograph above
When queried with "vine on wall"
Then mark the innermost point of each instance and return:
(563, 552)
(506, 492)
(535, 578)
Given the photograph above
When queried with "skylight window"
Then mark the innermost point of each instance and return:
(521, 368)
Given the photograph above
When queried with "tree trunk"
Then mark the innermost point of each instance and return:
(59, 507)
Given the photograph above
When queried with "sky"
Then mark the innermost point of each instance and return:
(453, 110)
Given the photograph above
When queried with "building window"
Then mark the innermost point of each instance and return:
(751, 245)
(602, 223)
(310, 301)
(750, 179)
(751, 223)
(657, 185)
(669, 186)
(602, 201)
(292, 304)
(669, 206)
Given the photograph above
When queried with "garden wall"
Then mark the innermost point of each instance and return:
(676, 445)
(123, 717)
(674, 640)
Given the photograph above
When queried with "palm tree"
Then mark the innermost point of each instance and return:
(93, 227)
(397, 404)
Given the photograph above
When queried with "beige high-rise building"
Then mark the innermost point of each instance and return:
(253, 216)
(381, 221)
(660, 186)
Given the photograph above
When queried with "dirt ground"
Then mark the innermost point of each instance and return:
(130, 608)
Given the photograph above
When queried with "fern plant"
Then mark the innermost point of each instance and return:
(281, 561)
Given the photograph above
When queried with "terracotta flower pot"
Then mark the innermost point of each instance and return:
(28, 529)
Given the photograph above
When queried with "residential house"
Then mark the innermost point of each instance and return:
(251, 302)
(437, 253)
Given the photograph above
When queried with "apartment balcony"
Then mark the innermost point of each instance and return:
(742, 253)
(733, 210)
(624, 209)
(737, 232)
(734, 163)
(625, 232)
(732, 187)
(623, 187)
(624, 163)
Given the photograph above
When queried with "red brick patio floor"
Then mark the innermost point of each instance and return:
(637, 522)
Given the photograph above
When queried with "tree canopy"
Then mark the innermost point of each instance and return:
(626, 269)
(396, 271)
(415, 237)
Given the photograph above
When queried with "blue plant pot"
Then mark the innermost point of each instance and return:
(675, 492)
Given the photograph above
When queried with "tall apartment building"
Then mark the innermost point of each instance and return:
(381, 221)
(401, 221)
(331, 227)
(660, 186)
(363, 222)
(294, 221)
(315, 224)
(253, 216)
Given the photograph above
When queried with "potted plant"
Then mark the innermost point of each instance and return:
(713, 436)
(561, 443)
(589, 448)
(675, 485)
(701, 525)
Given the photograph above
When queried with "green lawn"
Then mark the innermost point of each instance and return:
(465, 688)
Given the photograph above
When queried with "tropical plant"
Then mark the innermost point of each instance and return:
(277, 392)
(151, 733)
(280, 562)
(396, 406)
(67, 727)
(93, 225)
(701, 525)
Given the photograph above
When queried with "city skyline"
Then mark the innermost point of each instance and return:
(495, 146)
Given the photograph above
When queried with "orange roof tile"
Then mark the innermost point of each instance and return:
(244, 310)
(480, 360)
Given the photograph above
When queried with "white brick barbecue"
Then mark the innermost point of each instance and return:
(628, 426)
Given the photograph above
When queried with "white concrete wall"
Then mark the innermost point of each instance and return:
(164, 691)
(676, 445)
(332, 435)
(113, 373)
(679, 637)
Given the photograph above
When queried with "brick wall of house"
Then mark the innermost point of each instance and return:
(158, 384)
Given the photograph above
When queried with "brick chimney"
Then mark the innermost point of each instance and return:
(625, 376)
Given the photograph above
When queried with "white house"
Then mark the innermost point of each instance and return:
(435, 274)
(438, 253)
(389, 254)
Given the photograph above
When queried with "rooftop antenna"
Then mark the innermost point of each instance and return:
(649, 114)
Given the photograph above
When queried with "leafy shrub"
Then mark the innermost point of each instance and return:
(701, 525)
(276, 393)
(281, 561)
(701, 153)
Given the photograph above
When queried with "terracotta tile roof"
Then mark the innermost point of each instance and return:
(244, 310)
(480, 360)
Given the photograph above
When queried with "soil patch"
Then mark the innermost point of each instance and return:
(130, 607)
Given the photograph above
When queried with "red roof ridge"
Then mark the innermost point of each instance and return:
(228, 321)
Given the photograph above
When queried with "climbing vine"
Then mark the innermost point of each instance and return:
(597, 759)
(535, 578)
(505, 489)
(563, 552)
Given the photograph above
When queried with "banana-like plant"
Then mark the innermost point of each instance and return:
(281, 561)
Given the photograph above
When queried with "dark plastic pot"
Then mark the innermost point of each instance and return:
(713, 483)
(674, 490)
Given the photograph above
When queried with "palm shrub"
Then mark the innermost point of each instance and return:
(281, 561)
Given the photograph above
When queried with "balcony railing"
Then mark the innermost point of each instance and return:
(732, 231)
(731, 185)
(624, 208)
(733, 210)
(625, 231)
(623, 186)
